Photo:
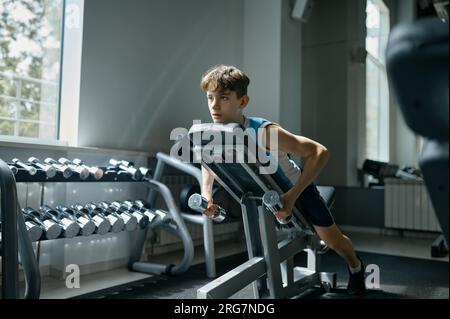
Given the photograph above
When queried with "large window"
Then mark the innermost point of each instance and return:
(30, 67)
(377, 93)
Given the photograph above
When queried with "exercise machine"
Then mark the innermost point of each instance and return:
(270, 268)
(417, 67)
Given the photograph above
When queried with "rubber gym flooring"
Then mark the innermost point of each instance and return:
(400, 277)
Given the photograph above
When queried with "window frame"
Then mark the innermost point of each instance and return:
(69, 83)
(383, 108)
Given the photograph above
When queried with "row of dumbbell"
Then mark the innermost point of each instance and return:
(67, 168)
(93, 218)
(128, 168)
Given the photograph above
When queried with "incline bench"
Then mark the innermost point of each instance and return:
(240, 166)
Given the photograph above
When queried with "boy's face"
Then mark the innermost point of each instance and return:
(226, 107)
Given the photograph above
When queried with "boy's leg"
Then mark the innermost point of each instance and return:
(315, 209)
(340, 243)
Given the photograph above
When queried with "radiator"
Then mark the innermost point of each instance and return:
(408, 206)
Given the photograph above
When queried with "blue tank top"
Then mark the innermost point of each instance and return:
(287, 169)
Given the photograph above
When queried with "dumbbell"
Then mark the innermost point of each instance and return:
(112, 222)
(66, 171)
(323, 248)
(70, 228)
(51, 229)
(115, 218)
(141, 209)
(161, 216)
(186, 192)
(87, 226)
(82, 171)
(142, 219)
(93, 170)
(127, 167)
(102, 224)
(146, 172)
(131, 222)
(124, 163)
(198, 203)
(13, 169)
(272, 201)
(49, 170)
(34, 230)
(30, 169)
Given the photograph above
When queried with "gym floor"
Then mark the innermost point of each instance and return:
(400, 259)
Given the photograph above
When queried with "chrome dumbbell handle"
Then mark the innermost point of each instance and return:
(198, 203)
(131, 222)
(102, 223)
(64, 169)
(272, 201)
(82, 171)
(93, 170)
(30, 169)
(146, 173)
(51, 229)
(115, 162)
(49, 170)
(140, 206)
(142, 219)
(125, 166)
(116, 221)
(83, 220)
(70, 227)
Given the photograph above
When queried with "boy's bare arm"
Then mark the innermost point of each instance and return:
(314, 154)
(207, 186)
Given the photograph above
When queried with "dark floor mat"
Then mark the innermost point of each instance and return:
(400, 277)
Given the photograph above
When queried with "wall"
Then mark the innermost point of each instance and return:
(291, 69)
(325, 79)
(361, 207)
(333, 86)
(262, 52)
(272, 58)
(142, 64)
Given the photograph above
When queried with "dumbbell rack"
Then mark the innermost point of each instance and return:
(15, 239)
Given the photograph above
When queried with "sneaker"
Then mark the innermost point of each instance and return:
(356, 282)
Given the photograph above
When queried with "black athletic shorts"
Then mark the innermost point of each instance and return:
(314, 208)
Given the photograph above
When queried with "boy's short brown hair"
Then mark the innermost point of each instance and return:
(222, 77)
